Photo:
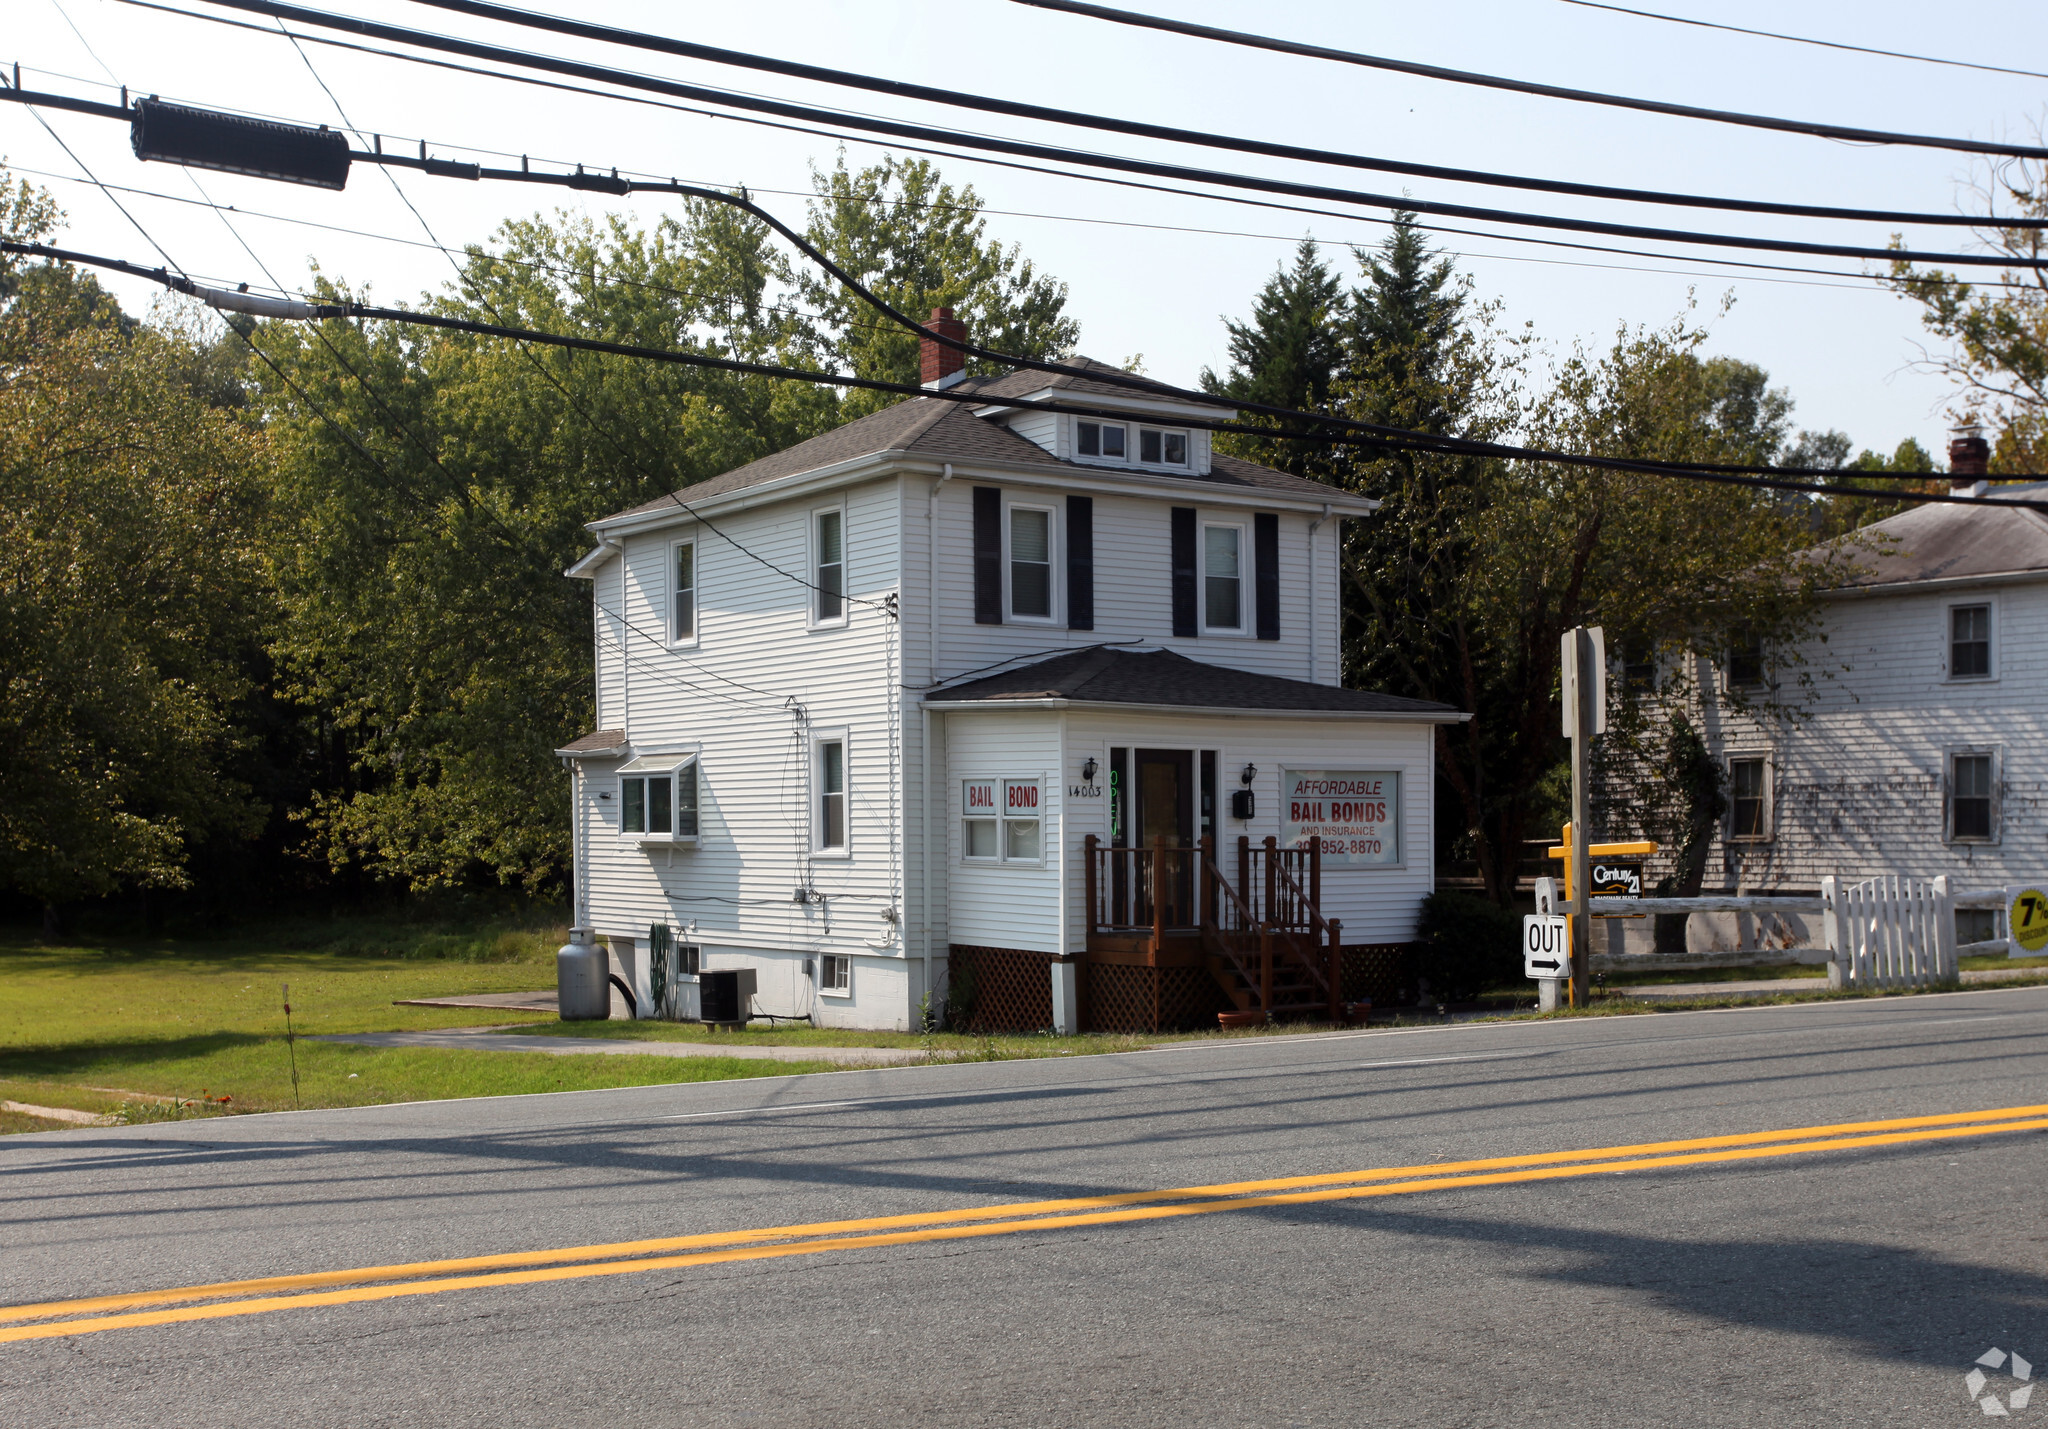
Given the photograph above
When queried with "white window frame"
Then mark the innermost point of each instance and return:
(1948, 641)
(1098, 459)
(828, 963)
(672, 769)
(999, 815)
(819, 739)
(676, 640)
(1949, 757)
(813, 546)
(1770, 797)
(1187, 448)
(1244, 584)
(1052, 565)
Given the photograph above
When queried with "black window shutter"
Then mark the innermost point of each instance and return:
(1080, 563)
(988, 555)
(1183, 570)
(1266, 573)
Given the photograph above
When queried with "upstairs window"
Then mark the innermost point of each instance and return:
(1969, 642)
(1030, 563)
(831, 567)
(1972, 797)
(832, 796)
(1099, 439)
(1162, 448)
(683, 617)
(1222, 578)
(1745, 661)
(1749, 804)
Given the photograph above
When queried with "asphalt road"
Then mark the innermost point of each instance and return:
(1850, 1286)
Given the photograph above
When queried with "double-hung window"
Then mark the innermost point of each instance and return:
(1745, 661)
(1002, 820)
(1030, 563)
(1161, 448)
(1969, 642)
(829, 546)
(1749, 799)
(683, 606)
(831, 797)
(658, 799)
(1099, 439)
(1972, 796)
(1223, 578)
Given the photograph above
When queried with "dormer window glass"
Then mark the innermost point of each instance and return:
(1158, 448)
(1100, 439)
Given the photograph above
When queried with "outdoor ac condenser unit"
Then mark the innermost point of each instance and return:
(727, 995)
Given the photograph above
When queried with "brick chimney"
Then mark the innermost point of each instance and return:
(940, 366)
(1969, 462)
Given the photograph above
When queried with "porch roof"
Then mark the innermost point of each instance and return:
(1164, 680)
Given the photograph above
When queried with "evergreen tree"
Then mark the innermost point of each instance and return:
(1291, 349)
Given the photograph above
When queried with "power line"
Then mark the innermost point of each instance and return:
(1090, 159)
(661, 44)
(1372, 435)
(1518, 86)
(1239, 200)
(1804, 40)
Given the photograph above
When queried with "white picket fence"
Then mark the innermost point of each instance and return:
(1890, 932)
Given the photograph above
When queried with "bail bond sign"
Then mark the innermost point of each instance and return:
(1357, 812)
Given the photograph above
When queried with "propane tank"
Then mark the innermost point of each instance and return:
(581, 986)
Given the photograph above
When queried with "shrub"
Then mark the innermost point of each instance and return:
(1466, 945)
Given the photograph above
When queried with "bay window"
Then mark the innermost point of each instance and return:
(658, 798)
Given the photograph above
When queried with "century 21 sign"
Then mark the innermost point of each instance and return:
(1356, 813)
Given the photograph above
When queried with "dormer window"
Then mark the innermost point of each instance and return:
(1100, 439)
(1162, 448)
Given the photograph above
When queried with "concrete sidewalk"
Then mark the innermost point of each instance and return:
(1772, 987)
(487, 1039)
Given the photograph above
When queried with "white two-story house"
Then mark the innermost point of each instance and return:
(964, 701)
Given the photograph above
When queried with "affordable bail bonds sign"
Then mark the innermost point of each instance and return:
(1357, 812)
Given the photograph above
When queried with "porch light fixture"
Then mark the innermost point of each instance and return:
(1088, 771)
(207, 139)
(1251, 772)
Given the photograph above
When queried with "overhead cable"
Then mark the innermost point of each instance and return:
(1368, 434)
(962, 99)
(1520, 86)
(1805, 40)
(1086, 158)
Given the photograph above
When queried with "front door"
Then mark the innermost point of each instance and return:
(1164, 779)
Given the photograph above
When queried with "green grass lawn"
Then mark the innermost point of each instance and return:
(106, 1023)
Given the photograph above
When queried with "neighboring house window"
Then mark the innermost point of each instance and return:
(1749, 801)
(1162, 448)
(1638, 668)
(1222, 578)
(684, 615)
(1099, 439)
(835, 975)
(1969, 642)
(1001, 820)
(831, 567)
(1030, 563)
(832, 795)
(658, 796)
(1972, 797)
(1745, 661)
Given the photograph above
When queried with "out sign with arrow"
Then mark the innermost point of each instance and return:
(1546, 946)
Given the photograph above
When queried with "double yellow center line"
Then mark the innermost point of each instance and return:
(57, 1318)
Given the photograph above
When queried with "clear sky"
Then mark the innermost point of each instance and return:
(1153, 274)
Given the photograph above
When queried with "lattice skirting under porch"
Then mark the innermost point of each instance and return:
(1382, 973)
(1003, 989)
(1118, 998)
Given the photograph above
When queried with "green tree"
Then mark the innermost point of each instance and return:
(1288, 353)
(918, 243)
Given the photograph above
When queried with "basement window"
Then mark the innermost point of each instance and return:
(835, 975)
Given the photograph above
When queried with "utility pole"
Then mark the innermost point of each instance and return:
(1584, 687)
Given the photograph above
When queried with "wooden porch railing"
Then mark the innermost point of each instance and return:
(1134, 890)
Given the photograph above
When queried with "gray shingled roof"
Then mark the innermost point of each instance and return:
(948, 431)
(602, 741)
(1104, 674)
(1948, 542)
